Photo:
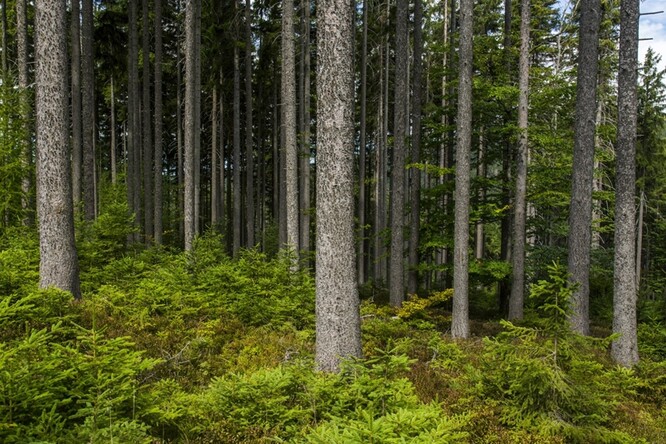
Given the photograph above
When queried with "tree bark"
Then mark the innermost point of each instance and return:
(580, 218)
(23, 84)
(190, 121)
(288, 93)
(88, 110)
(157, 167)
(624, 350)
(75, 68)
(214, 186)
(338, 329)
(517, 298)
(249, 144)
(237, 158)
(4, 36)
(460, 315)
(134, 145)
(148, 147)
(58, 266)
(417, 88)
(114, 142)
(397, 275)
(362, 150)
(305, 136)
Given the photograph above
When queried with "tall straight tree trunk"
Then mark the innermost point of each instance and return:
(237, 158)
(639, 240)
(397, 275)
(222, 204)
(338, 329)
(580, 218)
(26, 151)
(415, 197)
(362, 150)
(305, 136)
(157, 167)
(114, 142)
(460, 315)
(75, 94)
(197, 118)
(520, 199)
(4, 36)
(481, 173)
(88, 110)
(441, 254)
(58, 265)
(179, 142)
(288, 93)
(148, 147)
(189, 166)
(214, 185)
(249, 144)
(624, 350)
(134, 145)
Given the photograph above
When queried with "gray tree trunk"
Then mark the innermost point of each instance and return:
(624, 350)
(288, 94)
(222, 166)
(58, 266)
(415, 197)
(237, 158)
(249, 144)
(338, 329)
(460, 315)
(481, 173)
(516, 301)
(26, 151)
(362, 150)
(214, 185)
(179, 142)
(397, 274)
(157, 167)
(189, 163)
(197, 119)
(114, 142)
(88, 110)
(4, 36)
(580, 218)
(75, 68)
(148, 147)
(134, 145)
(305, 136)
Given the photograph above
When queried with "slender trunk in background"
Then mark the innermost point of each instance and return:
(58, 265)
(516, 301)
(362, 150)
(580, 216)
(249, 144)
(338, 326)
(75, 94)
(288, 94)
(639, 240)
(4, 36)
(624, 349)
(134, 147)
(401, 94)
(26, 150)
(305, 135)
(114, 142)
(157, 166)
(460, 315)
(197, 117)
(88, 110)
(179, 142)
(214, 186)
(440, 259)
(276, 160)
(148, 148)
(190, 121)
(237, 158)
(481, 173)
(222, 204)
(415, 197)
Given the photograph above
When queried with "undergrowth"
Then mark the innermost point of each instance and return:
(172, 347)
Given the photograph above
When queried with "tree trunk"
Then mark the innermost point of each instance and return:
(338, 334)
(249, 144)
(222, 214)
(134, 146)
(4, 36)
(114, 142)
(214, 216)
(190, 121)
(639, 241)
(237, 158)
(75, 68)
(148, 147)
(481, 173)
(58, 266)
(26, 151)
(460, 315)
(157, 167)
(520, 199)
(289, 124)
(179, 142)
(415, 225)
(397, 275)
(580, 218)
(624, 349)
(305, 136)
(88, 110)
(362, 150)
(197, 118)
